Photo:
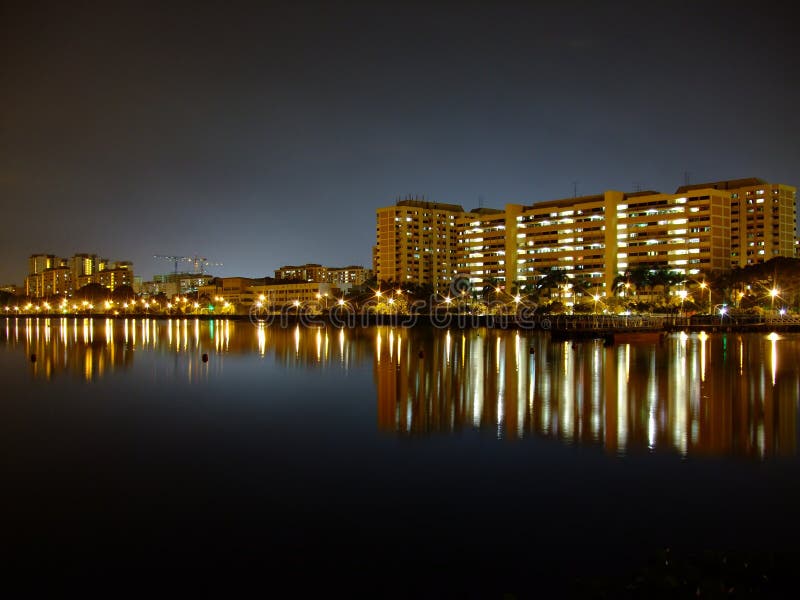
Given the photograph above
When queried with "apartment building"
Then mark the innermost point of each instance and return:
(49, 275)
(763, 218)
(417, 242)
(315, 273)
(700, 229)
(482, 246)
(595, 238)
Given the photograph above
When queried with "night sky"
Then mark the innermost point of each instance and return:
(259, 134)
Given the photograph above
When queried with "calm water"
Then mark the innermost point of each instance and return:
(426, 456)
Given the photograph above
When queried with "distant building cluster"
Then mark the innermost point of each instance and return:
(270, 293)
(49, 275)
(700, 229)
(353, 274)
(174, 284)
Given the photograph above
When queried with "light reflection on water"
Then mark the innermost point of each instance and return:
(721, 394)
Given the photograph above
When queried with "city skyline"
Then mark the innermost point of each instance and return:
(268, 137)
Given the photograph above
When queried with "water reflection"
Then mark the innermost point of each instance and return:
(732, 394)
(698, 394)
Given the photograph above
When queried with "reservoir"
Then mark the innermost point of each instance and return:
(435, 459)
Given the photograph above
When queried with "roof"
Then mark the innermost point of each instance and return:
(486, 211)
(431, 205)
(729, 184)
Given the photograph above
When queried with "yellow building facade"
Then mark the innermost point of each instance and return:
(417, 242)
(763, 219)
(699, 230)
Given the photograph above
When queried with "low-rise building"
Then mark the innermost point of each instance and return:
(276, 296)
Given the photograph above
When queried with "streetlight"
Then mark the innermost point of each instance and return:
(596, 299)
(703, 286)
(772, 293)
(682, 294)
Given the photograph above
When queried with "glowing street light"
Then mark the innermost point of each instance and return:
(772, 294)
(682, 294)
(703, 286)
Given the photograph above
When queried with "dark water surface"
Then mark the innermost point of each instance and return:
(382, 459)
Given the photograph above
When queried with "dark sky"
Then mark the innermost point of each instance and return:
(259, 134)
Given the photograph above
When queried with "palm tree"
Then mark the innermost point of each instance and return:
(554, 278)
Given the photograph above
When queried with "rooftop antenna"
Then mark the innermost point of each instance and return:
(686, 177)
(575, 188)
(637, 186)
(480, 201)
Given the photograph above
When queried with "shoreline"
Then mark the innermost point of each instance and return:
(563, 326)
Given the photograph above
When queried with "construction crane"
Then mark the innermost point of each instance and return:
(199, 263)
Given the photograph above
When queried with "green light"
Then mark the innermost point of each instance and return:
(210, 307)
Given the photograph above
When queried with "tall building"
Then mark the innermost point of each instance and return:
(417, 242)
(481, 249)
(700, 229)
(763, 219)
(595, 238)
(49, 275)
(40, 262)
(82, 265)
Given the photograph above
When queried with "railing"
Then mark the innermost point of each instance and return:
(607, 322)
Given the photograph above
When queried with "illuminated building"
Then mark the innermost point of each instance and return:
(481, 252)
(311, 272)
(763, 219)
(598, 237)
(701, 229)
(154, 288)
(281, 295)
(180, 283)
(52, 276)
(233, 290)
(417, 242)
(38, 263)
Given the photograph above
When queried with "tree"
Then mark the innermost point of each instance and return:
(123, 293)
(554, 278)
(94, 293)
(7, 298)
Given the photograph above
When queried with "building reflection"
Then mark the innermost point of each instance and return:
(731, 394)
(61, 346)
(92, 347)
(719, 395)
